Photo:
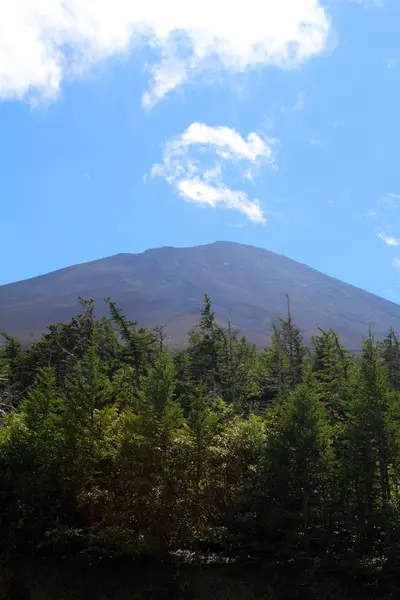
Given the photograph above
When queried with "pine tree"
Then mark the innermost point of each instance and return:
(31, 488)
(89, 418)
(291, 344)
(114, 445)
(331, 365)
(145, 510)
(389, 349)
(238, 372)
(283, 505)
(274, 370)
(9, 389)
(158, 386)
(138, 348)
(370, 448)
(62, 348)
(298, 471)
(204, 349)
(282, 365)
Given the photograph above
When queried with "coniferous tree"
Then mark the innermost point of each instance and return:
(331, 365)
(299, 468)
(389, 349)
(204, 349)
(238, 371)
(115, 446)
(89, 419)
(369, 447)
(31, 487)
(282, 365)
(291, 343)
(138, 348)
(275, 374)
(287, 497)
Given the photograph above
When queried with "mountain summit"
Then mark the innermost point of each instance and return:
(166, 286)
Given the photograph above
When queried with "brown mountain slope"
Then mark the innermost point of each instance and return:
(166, 285)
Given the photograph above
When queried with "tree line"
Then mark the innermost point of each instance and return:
(112, 445)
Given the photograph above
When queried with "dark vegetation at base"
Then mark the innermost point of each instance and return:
(54, 581)
(215, 472)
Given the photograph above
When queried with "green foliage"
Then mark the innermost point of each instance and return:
(282, 365)
(138, 346)
(111, 445)
(369, 453)
(332, 366)
(31, 447)
(389, 350)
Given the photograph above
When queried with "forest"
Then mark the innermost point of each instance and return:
(118, 454)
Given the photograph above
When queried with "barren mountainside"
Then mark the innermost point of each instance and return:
(166, 286)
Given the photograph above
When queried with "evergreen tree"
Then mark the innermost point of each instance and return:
(331, 365)
(369, 444)
(204, 349)
(389, 349)
(138, 348)
(282, 365)
(298, 472)
(145, 512)
(31, 497)
(89, 419)
(113, 445)
(238, 372)
(291, 344)
(274, 371)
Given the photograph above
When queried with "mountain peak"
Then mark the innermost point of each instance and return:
(166, 285)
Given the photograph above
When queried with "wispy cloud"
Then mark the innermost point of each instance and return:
(390, 241)
(316, 143)
(194, 166)
(368, 3)
(42, 42)
(396, 263)
(386, 206)
(385, 217)
(391, 63)
(392, 200)
(299, 104)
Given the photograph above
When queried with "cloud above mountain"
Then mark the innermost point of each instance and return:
(44, 42)
(388, 240)
(195, 165)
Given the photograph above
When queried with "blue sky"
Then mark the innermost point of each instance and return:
(180, 123)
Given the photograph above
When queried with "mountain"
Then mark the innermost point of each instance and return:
(166, 286)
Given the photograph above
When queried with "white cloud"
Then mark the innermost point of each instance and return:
(194, 166)
(44, 41)
(391, 63)
(301, 96)
(201, 192)
(390, 199)
(390, 241)
(396, 263)
(316, 143)
(386, 218)
(368, 3)
(227, 143)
